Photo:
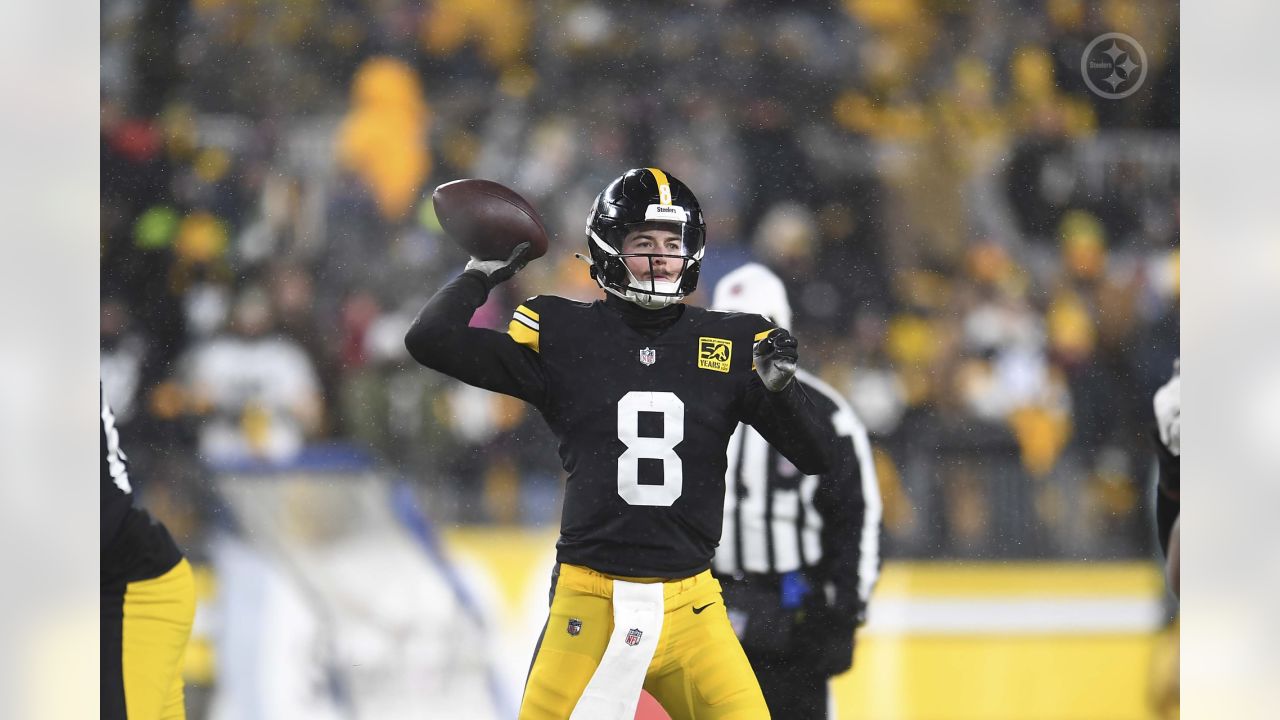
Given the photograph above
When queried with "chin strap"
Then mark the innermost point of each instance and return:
(632, 295)
(654, 302)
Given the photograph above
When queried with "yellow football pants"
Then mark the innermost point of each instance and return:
(698, 671)
(155, 624)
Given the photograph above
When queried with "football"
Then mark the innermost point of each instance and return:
(488, 220)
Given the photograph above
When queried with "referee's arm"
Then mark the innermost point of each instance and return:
(849, 501)
(841, 501)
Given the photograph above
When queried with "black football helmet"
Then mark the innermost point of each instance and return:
(641, 198)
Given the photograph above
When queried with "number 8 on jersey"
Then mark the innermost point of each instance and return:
(661, 448)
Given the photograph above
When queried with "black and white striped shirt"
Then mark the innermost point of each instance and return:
(778, 520)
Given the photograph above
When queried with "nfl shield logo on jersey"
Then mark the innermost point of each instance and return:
(575, 626)
(633, 636)
(648, 356)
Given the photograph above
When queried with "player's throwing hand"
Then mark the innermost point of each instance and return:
(776, 357)
(500, 271)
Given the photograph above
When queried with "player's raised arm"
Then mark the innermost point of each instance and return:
(780, 409)
(441, 337)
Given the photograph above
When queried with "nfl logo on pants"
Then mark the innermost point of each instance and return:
(633, 636)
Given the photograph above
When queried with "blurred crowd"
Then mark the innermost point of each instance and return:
(981, 253)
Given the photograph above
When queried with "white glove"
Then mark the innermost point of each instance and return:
(500, 271)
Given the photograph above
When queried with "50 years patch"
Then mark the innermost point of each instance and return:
(714, 354)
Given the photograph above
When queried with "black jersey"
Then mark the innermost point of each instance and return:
(643, 418)
(134, 547)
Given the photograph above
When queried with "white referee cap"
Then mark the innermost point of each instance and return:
(753, 288)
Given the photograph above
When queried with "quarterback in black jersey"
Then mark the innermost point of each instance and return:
(148, 597)
(643, 393)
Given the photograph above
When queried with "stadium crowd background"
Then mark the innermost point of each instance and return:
(981, 253)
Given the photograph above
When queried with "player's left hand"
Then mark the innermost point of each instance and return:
(776, 357)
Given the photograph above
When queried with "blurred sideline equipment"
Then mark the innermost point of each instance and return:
(336, 602)
(1167, 404)
(643, 394)
(489, 220)
(799, 554)
(148, 597)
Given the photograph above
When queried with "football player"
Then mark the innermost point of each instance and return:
(643, 393)
(800, 554)
(148, 598)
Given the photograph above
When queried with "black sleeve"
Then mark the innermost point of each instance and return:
(1170, 469)
(1167, 511)
(843, 505)
(1168, 493)
(831, 619)
(441, 339)
(789, 421)
(134, 546)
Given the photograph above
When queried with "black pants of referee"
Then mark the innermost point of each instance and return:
(791, 690)
(783, 658)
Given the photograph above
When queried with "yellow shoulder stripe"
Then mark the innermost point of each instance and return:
(523, 334)
(525, 310)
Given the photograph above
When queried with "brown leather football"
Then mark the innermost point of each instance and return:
(488, 220)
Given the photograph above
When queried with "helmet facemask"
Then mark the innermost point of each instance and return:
(615, 264)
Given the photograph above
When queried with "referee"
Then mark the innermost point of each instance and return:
(148, 598)
(799, 554)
